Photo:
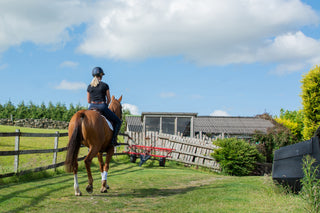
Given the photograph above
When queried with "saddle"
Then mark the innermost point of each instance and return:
(102, 115)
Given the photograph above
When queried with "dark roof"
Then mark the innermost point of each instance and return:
(230, 125)
(215, 124)
(134, 123)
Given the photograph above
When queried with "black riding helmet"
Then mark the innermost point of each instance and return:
(97, 71)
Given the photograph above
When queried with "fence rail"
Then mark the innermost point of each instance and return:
(192, 151)
(17, 152)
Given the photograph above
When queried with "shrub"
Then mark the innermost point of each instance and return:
(235, 156)
(310, 184)
(276, 137)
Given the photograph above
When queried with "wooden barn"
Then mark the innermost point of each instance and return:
(190, 124)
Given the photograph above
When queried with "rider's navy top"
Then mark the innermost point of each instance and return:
(98, 93)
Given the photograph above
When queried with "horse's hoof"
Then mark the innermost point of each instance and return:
(103, 190)
(89, 189)
(78, 194)
(108, 187)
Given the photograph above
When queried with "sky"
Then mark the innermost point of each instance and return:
(211, 57)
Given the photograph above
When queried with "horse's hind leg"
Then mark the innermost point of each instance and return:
(91, 154)
(76, 184)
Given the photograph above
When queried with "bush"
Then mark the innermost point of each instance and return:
(235, 156)
(310, 184)
(276, 137)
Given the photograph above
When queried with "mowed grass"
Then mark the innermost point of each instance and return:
(149, 188)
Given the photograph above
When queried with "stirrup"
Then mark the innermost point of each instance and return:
(115, 143)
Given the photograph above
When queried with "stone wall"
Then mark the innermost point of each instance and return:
(36, 123)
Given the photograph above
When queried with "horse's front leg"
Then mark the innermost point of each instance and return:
(104, 174)
(87, 161)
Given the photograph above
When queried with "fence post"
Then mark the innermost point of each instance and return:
(16, 148)
(55, 153)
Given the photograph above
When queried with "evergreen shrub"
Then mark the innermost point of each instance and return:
(236, 156)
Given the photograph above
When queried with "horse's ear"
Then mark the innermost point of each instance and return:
(120, 99)
(113, 97)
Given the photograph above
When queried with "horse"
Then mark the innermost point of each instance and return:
(89, 127)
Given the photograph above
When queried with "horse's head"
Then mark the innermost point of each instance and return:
(115, 106)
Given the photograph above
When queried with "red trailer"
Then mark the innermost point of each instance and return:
(146, 152)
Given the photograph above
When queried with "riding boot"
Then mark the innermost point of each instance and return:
(116, 129)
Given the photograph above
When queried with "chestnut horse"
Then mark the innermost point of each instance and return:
(89, 127)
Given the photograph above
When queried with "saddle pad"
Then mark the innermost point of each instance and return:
(109, 123)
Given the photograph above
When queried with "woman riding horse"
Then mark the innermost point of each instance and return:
(89, 128)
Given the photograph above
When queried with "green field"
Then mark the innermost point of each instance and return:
(150, 188)
(33, 160)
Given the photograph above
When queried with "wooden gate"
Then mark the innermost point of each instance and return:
(192, 151)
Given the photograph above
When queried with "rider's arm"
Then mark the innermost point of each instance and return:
(108, 97)
(88, 97)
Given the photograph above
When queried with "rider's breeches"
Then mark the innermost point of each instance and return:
(116, 122)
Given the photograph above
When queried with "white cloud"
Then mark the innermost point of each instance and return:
(167, 94)
(66, 85)
(132, 108)
(70, 64)
(196, 96)
(292, 51)
(41, 22)
(3, 66)
(219, 113)
(207, 32)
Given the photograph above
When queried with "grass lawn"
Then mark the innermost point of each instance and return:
(149, 188)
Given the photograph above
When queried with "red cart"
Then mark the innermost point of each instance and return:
(146, 152)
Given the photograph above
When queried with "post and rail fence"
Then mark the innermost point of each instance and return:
(17, 152)
(190, 151)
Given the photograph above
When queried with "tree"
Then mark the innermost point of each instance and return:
(293, 120)
(276, 137)
(311, 101)
(8, 110)
(21, 111)
(124, 122)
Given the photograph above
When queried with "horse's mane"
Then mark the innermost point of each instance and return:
(113, 108)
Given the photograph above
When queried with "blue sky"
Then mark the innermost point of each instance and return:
(212, 57)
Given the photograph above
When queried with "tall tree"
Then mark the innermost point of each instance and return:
(8, 110)
(311, 101)
(22, 111)
(293, 120)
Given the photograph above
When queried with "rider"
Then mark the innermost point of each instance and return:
(96, 94)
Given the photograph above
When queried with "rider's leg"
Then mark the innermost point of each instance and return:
(116, 122)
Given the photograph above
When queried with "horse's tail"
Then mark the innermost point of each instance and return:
(74, 144)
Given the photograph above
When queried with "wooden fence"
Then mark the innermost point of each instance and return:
(192, 151)
(17, 152)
